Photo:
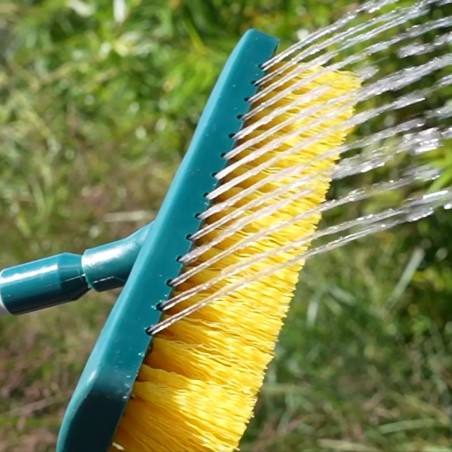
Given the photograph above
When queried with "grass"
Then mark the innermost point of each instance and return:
(348, 376)
(95, 116)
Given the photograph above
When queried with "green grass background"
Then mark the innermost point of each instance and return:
(96, 114)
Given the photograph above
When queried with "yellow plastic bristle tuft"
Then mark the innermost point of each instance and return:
(198, 385)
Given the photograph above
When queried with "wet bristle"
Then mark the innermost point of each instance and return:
(198, 385)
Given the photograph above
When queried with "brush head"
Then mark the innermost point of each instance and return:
(197, 387)
(106, 383)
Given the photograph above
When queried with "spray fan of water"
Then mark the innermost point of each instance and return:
(402, 122)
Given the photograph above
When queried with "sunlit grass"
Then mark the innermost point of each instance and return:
(354, 372)
(95, 117)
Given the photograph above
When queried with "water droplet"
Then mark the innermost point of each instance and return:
(411, 49)
(419, 214)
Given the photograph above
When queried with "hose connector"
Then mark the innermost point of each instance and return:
(66, 277)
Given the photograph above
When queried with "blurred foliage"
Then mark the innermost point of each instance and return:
(98, 105)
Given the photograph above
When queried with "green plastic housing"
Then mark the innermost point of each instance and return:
(107, 380)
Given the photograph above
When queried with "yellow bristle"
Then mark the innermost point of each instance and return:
(198, 385)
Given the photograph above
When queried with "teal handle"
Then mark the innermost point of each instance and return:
(66, 277)
(42, 283)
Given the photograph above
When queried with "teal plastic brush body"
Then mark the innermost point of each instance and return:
(107, 380)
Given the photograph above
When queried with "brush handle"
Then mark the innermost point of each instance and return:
(66, 277)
